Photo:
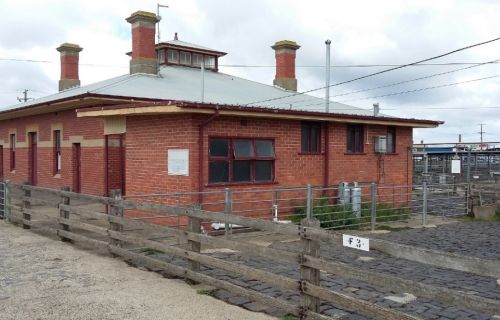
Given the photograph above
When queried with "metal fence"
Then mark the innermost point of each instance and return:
(347, 206)
(474, 166)
(3, 200)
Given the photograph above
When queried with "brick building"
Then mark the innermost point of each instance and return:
(175, 123)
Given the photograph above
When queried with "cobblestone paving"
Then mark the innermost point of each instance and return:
(479, 239)
(426, 309)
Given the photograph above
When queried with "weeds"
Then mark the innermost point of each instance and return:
(151, 251)
(207, 292)
(342, 216)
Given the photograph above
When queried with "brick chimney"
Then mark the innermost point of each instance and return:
(144, 58)
(285, 64)
(69, 65)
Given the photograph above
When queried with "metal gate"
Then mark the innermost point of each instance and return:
(3, 199)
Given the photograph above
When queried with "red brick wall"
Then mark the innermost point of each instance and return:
(89, 129)
(285, 64)
(149, 138)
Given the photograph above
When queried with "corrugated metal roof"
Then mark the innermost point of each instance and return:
(184, 84)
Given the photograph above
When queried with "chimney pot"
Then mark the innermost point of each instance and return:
(70, 54)
(144, 58)
(285, 64)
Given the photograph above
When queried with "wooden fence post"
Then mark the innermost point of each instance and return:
(64, 214)
(26, 205)
(194, 226)
(308, 274)
(115, 210)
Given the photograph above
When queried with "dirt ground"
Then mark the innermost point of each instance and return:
(42, 278)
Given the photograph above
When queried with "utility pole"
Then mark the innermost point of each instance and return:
(25, 96)
(481, 132)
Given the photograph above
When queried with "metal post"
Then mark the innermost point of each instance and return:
(373, 194)
(468, 166)
(327, 77)
(7, 201)
(228, 206)
(424, 205)
(309, 212)
(202, 79)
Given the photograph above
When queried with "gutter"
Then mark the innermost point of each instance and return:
(201, 126)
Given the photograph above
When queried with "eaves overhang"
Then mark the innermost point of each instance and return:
(176, 107)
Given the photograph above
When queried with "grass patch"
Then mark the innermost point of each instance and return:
(342, 216)
(207, 292)
(151, 251)
(391, 228)
(289, 317)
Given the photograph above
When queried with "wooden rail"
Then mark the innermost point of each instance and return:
(109, 231)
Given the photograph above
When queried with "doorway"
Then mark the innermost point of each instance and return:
(32, 158)
(115, 163)
(77, 168)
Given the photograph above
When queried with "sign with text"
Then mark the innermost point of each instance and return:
(178, 162)
(455, 166)
(356, 242)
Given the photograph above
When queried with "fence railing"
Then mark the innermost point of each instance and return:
(348, 206)
(102, 222)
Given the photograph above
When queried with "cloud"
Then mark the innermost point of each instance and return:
(369, 32)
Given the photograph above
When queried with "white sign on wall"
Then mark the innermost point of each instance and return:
(178, 162)
(455, 166)
(356, 242)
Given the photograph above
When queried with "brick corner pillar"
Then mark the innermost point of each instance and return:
(70, 54)
(144, 58)
(285, 64)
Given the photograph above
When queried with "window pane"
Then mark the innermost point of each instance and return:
(219, 148)
(173, 56)
(218, 171)
(241, 170)
(350, 139)
(209, 62)
(315, 134)
(243, 148)
(391, 134)
(185, 57)
(197, 59)
(264, 148)
(162, 56)
(263, 170)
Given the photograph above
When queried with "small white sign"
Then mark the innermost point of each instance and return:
(178, 162)
(356, 242)
(455, 166)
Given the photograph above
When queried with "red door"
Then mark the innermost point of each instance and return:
(32, 161)
(77, 168)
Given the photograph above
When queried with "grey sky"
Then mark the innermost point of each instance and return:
(362, 32)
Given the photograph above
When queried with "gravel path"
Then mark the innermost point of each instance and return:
(41, 278)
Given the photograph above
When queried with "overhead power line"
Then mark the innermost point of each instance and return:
(355, 65)
(422, 89)
(408, 91)
(400, 82)
(273, 65)
(379, 72)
